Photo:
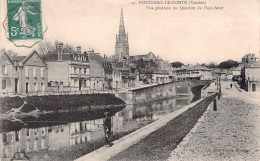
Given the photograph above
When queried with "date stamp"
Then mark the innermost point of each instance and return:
(24, 19)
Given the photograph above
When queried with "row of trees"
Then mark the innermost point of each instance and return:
(223, 65)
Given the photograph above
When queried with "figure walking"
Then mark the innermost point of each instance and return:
(230, 85)
(107, 128)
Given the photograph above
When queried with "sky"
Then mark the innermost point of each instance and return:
(189, 36)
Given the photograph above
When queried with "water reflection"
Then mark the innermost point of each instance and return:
(55, 136)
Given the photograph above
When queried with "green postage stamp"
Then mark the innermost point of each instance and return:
(24, 19)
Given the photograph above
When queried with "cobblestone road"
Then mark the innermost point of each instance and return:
(230, 133)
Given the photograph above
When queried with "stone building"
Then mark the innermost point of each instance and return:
(23, 75)
(121, 46)
(68, 70)
(97, 72)
(145, 57)
(192, 72)
(9, 75)
(108, 71)
(250, 75)
(249, 58)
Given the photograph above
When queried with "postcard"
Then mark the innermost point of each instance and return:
(129, 80)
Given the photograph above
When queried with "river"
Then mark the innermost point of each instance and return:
(51, 132)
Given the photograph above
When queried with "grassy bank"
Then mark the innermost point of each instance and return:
(7, 103)
(159, 144)
(59, 102)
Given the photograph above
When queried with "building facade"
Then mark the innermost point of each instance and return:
(9, 75)
(250, 75)
(23, 75)
(68, 70)
(97, 72)
(196, 72)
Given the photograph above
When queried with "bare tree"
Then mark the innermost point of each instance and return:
(45, 47)
(69, 46)
(11, 53)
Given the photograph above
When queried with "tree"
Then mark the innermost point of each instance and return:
(11, 53)
(44, 47)
(177, 64)
(212, 65)
(228, 64)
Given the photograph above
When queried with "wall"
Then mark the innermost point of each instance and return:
(160, 91)
(58, 71)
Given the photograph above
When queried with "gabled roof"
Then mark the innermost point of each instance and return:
(8, 57)
(29, 56)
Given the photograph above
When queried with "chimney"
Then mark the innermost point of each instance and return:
(59, 49)
(78, 48)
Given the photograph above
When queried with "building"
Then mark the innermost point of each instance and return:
(192, 72)
(223, 74)
(249, 58)
(97, 71)
(121, 46)
(68, 70)
(145, 57)
(250, 77)
(236, 72)
(165, 65)
(23, 75)
(108, 71)
(160, 76)
(124, 75)
(9, 75)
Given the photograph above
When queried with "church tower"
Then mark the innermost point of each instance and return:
(122, 46)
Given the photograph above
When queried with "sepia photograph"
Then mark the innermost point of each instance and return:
(127, 80)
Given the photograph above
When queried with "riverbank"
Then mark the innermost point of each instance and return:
(123, 144)
(57, 103)
(159, 144)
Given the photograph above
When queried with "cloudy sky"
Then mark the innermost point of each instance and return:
(184, 35)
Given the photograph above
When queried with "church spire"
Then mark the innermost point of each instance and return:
(122, 46)
(121, 25)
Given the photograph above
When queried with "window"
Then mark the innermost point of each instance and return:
(79, 70)
(85, 83)
(34, 72)
(85, 71)
(42, 144)
(3, 84)
(43, 131)
(35, 131)
(42, 87)
(42, 72)
(4, 69)
(75, 82)
(35, 86)
(17, 136)
(26, 71)
(27, 132)
(75, 70)
(35, 146)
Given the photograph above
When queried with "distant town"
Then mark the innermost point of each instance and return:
(61, 69)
